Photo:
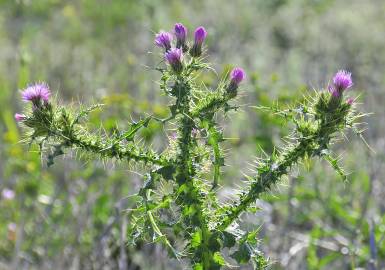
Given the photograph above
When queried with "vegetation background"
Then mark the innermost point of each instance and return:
(71, 215)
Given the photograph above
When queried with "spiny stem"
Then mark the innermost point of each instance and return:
(262, 183)
(311, 143)
(108, 148)
(192, 199)
(210, 104)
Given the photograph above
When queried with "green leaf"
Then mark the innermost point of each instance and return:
(243, 254)
(214, 138)
(196, 239)
(229, 239)
(312, 255)
(58, 151)
(148, 184)
(252, 237)
(214, 243)
(167, 172)
(329, 259)
(217, 257)
(334, 163)
(134, 127)
(84, 113)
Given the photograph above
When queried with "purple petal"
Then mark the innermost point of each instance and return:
(36, 92)
(342, 80)
(19, 117)
(163, 39)
(180, 32)
(174, 56)
(200, 35)
(237, 75)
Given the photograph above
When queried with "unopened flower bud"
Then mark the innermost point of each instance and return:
(350, 101)
(19, 117)
(181, 34)
(237, 75)
(199, 37)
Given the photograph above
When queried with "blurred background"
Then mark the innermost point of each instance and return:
(71, 215)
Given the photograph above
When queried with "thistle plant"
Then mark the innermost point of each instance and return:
(178, 204)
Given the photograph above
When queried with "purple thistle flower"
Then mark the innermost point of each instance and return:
(8, 194)
(163, 39)
(199, 37)
(174, 57)
(342, 81)
(237, 75)
(19, 117)
(36, 93)
(181, 34)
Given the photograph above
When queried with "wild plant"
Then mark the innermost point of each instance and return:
(178, 205)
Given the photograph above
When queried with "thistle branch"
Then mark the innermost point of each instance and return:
(314, 133)
(62, 128)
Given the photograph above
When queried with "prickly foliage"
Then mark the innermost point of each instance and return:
(177, 205)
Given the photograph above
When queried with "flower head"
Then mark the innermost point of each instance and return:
(237, 75)
(200, 35)
(342, 81)
(174, 57)
(19, 117)
(36, 93)
(180, 33)
(163, 39)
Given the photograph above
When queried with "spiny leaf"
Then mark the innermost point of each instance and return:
(214, 138)
(196, 239)
(167, 172)
(217, 257)
(134, 127)
(334, 163)
(229, 239)
(243, 254)
(84, 113)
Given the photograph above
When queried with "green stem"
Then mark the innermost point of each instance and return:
(271, 172)
(212, 103)
(156, 229)
(262, 183)
(88, 142)
(191, 201)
